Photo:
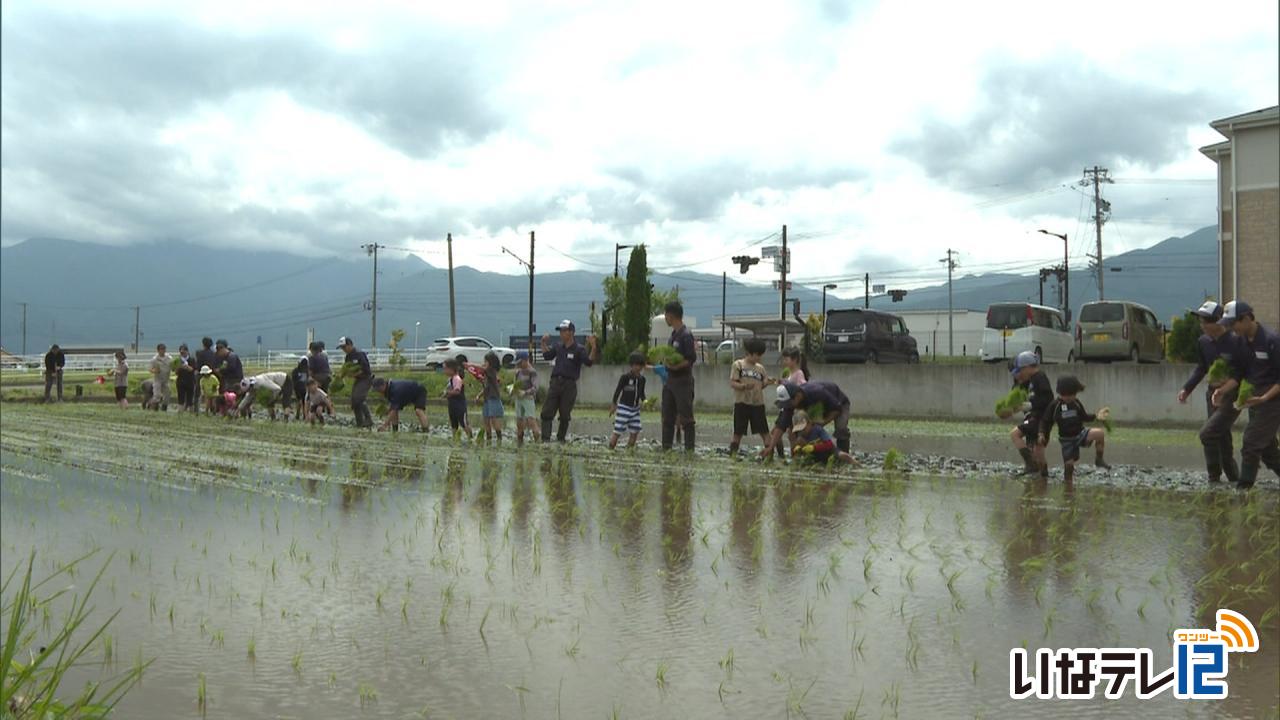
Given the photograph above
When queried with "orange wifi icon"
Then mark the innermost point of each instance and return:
(1237, 632)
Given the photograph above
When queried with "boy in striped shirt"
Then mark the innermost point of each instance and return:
(627, 397)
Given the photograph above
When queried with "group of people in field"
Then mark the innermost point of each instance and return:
(1247, 358)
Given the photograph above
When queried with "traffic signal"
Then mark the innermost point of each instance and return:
(897, 295)
(745, 262)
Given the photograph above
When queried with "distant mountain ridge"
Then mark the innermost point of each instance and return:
(83, 293)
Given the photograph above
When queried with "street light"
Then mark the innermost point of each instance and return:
(1066, 276)
(825, 288)
(416, 325)
(618, 247)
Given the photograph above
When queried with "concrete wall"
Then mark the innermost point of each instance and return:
(1142, 394)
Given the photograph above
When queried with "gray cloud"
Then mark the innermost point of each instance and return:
(1038, 124)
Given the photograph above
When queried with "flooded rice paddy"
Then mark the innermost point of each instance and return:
(325, 573)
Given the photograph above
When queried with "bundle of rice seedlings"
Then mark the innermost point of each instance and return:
(339, 381)
(1012, 402)
(892, 459)
(1246, 392)
(1219, 372)
(664, 355)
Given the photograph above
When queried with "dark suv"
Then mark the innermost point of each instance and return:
(857, 335)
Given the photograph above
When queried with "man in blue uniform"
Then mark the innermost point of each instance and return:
(1215, 435)
(1259, 446)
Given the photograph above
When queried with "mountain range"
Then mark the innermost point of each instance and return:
(80, 293)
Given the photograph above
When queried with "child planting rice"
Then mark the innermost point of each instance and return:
(625, 406)
(317, 402)
(1028, 378)
(813, 443)
(1068, 413)
(748, 379)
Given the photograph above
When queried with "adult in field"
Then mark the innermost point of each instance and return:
(206, 356)
(161, 365)
(1215, 434)
(230, 370)
(1028, 376)
(318, 365)
(401, 394)
(1262, 345)
(186, 379)
(264, 388)
(824, 404)
(567, 358)
(54, 361)
(677, 393)
(361, 381)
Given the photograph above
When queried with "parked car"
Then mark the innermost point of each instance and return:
(1015, 327)
(728, 351)
(1119, 330)
(871, 336)
(472, 349)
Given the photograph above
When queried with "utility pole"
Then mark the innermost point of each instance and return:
(866, 290)
(951, 337)
(528, 266)
(137, 326)
(724, 296)
(1065, 278)
(617, 247)
(372, 249)
(24, 328)
(1101, 212)
(453, 317)
(782, 287)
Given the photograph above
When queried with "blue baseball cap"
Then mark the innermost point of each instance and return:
(1025, 359)
(522, 355)
(1233, 311)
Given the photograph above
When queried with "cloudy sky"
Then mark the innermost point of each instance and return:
(881, 133)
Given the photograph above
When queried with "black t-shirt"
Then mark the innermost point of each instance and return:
(1264, 359)
(360, 358)
(630, 390)
(682, 340)
(1040, 393)
(1070, 418)
(207, 356)
(54, 361)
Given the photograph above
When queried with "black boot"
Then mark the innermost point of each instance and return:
(689, 436)
(1230, 469)
(562, 431)
(546, 429)
(668, 435)
(1044, 471)
(1248, 474)
(1098, 461)
(1031, 468)
(1213, 462)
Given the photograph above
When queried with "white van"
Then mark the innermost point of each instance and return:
(1014, 327)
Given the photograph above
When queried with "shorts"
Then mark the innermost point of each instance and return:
(121, 391)
(745, 415)
(525, 408)
(319, 408)
(782, 422)
(1071, 445)
(492, 408)
(1030, 428)
(419, 401)
(457, 414)
(626, 419)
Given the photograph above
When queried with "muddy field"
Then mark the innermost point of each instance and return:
(282, 571)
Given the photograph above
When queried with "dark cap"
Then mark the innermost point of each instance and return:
(1210, 311)
(1070, 385)
(221, 343)
(1235, 310)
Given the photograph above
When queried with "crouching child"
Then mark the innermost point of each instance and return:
(317, 402)
(1069, 414)
(812, 442)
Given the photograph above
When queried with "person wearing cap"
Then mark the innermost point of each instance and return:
(401, 394)
(524, 390)
(677, 393)
(362, 381)
(229, 368)
(186, 379)
(1028, 376)
(567, 358)
(298, 378)
(823, 402)
(209, 384)
(270, 385)
(813, 443)
(54, 361)
(1262, 351)
(1068, 413)
(1215, 434)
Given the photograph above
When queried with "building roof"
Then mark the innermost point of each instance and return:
(1216, 150)
(1257, 118)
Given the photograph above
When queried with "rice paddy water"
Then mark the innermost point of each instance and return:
(278, 571)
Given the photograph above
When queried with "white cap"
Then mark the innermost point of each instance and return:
(784, 396)
(799, 421)
(206, 370)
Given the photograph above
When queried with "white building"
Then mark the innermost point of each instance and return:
(929, 328)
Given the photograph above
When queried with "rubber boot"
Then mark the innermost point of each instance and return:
(689, 437)
(1044, 471)
(1230, 469)
(1098, 461)
(1213, 463)
(1068, 474)
(1248, 474)
(843, 442)
(1031, 468)
(563, 431)
(668, 435)
(546, 429)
